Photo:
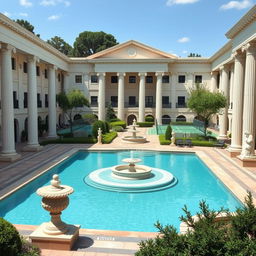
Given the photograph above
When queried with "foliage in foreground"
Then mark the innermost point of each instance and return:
(108, 137)
(163, 140)
(237, 237)
(168, 133)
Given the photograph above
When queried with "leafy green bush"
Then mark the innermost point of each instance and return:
(107, 126)
(80, 140)
(108, 137)
(28, 249)
(117, 128)
(89, 118)
(200, 141)
(96, 125)
(163, 140)
(10, 241)
(118, 123)
(115, 120)
(65, 135)
(149, 119)
(234, 236)
(181, 123)
(145, 124)
(168, 133)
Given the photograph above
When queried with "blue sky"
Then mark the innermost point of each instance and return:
(173, 26)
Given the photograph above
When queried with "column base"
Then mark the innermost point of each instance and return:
(249, 161)
(55, 242)
(9, 157)
(32, 148)
(234, 151)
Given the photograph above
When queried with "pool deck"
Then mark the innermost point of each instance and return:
(101, 243)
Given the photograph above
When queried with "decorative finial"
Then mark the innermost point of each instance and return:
(55, 182)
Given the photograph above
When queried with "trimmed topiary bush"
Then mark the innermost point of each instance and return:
(117, 129)
(145, 124)
(168, 132)
(149, 119)
(96, 125)
(108, 137)
(118, 123)
(163, 141)
(10, 241)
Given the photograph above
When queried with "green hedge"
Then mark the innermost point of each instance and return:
(108, 137)
(181, 123)
(201, 143)
(117, 129)
(163, 141)
(88, 140)
(145, 124)
(118, 123)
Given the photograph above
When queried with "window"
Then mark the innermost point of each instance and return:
(37, 70)
(165, 79)
(149, 102)
(114, 100)
(46, 73)
(59, 77)
(39, 102)
(198, 79)
(25, 101)
(132, 79)
(165, 100)
(25, 67)
(78, 79)
(149, 79)
(182, 79)
(114, 80)
(181, 102)
(132, 100)
(46, 100)
(15, 101)
(13, 64)
(94, 79)
(94, 100)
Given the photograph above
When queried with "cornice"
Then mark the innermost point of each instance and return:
(242, 23)
(221, 51)
(12, 25)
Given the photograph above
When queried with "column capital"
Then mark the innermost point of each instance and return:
(121, 74)
(7, 48)
(51, 66)
(237, 56)
(224, 68)
(159, 73)
(101, 74)
(249, 48)
(32, 58)
(214, 73)
(142, 74)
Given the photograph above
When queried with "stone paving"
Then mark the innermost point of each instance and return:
(101, 243)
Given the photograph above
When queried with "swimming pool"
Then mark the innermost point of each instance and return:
(98, 209)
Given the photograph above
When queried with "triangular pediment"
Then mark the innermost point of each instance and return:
(131, 50)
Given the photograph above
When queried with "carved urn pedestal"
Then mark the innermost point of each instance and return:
(55, 234)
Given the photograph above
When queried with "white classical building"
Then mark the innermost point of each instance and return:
(137, 80)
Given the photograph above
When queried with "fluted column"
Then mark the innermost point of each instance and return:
(237, 112)
(173, 90)
(52, 102)
(214, 81)
(8, 152)
(120, 110)
(142, 97)
(249, 103)
(223, 118)
(159, 76)
(32, 144)
(101, 101)
(231, 88)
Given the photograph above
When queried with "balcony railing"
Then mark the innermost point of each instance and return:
(131, 105)
(167, 105)
(184, 105)
(94, 104)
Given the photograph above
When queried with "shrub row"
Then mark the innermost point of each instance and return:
(81, 140)
(201, 143)
(118, 123)
(181, 123)
(100, 124)
(108, 137)
(117, 129)
(163, 141)
(145, 124)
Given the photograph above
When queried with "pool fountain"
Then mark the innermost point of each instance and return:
(134, 138)
(130, 177)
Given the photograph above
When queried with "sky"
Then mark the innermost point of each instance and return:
(173, 26)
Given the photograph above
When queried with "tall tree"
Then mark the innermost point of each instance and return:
(25, 24)
(194, 55)
(58, 43)
(205, 103)
(70, 101)
(89, 42)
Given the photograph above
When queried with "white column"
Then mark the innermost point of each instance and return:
(159, 76)
(142, 97)
(65, 82)
(231, 88)
(8, 152)
(249, 103)
(32, 144)
(173, 90)
(120, 110)
(237, 99)
(214, 82)
(52, 102)
(101, 99)
(86, 85)
(223, 118)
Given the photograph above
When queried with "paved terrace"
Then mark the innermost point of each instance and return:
(101, 243)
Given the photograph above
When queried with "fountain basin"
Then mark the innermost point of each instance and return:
(122, 171)
(137, 139)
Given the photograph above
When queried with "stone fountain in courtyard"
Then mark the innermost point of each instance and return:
(133, 138)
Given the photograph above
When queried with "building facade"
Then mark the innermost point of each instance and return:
(137, 80)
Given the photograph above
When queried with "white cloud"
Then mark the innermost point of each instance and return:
(23, 14)
(54, 17)
(172, 2)
(54, 2)
(25, 3)
(184, 40)
(239, 5)
(7, 14)
(184, 52)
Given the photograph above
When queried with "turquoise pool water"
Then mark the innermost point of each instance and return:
(82, 127)
(98, 209)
